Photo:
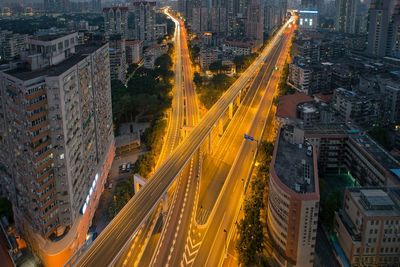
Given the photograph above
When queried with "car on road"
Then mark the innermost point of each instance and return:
(123, 168)
(129, 166)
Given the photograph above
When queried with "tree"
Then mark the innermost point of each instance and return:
(197, 79)
(242, 62)
(194, 52)
(251, 237)
(215, 66)
(6, 209)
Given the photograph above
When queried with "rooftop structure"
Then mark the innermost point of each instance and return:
(336, 140)
(367, 226)
(294, 166)
(293, 201)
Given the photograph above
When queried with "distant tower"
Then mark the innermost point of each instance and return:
(96, 5)
(346, 16)
(379, 26)
(116, 20)
(255, 22)
(145, 19)
(308, 4)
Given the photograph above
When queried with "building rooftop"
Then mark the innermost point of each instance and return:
(294, 166)
(133, 41)
(287, 106)
(377, 201)
(50, 37)
(26, 74)
(377, 152)
(124, 8)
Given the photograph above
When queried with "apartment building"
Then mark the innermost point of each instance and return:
(117, 51)
(144, 15)
(255, 22)
(310, 78)
(384, 30)
(116, 20)
(359, 107)
(12, 45)
(346, 16)
(134, 51)
(57, 144)
(337, 143)
(293, 204)
(368, 226)
(239, 48)
(392, 100)
(208, 56)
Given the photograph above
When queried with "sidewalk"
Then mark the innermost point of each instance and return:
(100, 219)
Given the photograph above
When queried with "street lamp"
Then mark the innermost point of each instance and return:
(226, 245)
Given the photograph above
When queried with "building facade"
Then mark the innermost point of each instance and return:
(134, 51)
(293, 202)
(346, 16)
(116, 20)
(117, 50)
(383, 30)
(12, 45)
(144, 21)
(368, 226)
(62, 142)
(255, 22)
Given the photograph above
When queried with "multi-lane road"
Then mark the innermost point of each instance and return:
(128, 221)
(224, 216)
(180, 215)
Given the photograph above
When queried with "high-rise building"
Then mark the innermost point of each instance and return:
(274, 14)
(134, 51)
(346, 16)
(116, 20)
(218, 21)
(293, 204)
(382, 19)
(56, 5)
(394, 34)
(200, 19)
(96, 5)
(255, 22)
(118, 66)
(57, 143)
(368, 226)
(144, 21)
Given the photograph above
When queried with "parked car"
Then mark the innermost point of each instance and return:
(123, 168)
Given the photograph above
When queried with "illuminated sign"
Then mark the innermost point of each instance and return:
(308, 12)
(92, 188)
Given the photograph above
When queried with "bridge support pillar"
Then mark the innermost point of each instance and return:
(165, 203)
(220, 127)
(231, 110)
(238, 99)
